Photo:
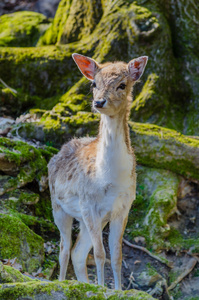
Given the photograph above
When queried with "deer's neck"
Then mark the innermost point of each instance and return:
(113, 130)
(114, 149)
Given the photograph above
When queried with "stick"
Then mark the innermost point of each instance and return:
(7, 86)
(169, 264)
(190, 266)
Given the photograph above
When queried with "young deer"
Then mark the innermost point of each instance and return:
(94, 179)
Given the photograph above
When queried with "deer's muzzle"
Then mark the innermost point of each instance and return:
(99, 103)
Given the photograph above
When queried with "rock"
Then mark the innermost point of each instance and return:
(167, 149)
(46, 7)
(5, 125)
(106, 33)
(22, 161)
(148, 279)
(154, 146)
(24, 69)
(65, 290)
(155, 205)
(22, 28)
(17, 240)
(9, 275)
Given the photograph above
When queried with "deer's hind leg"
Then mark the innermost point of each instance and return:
(64, 224)
(80, 252)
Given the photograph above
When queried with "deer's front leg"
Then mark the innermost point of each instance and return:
(117, 227)
(94, 227)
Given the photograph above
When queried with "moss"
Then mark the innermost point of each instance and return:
(18, 200)
(43, 227)
(67, 28)
(17, 240)
(30, 160)
(177, 241)
(66, 290)
(22, 28)
(164, 148)
(25, 68)
(9, 275)
(155, 202)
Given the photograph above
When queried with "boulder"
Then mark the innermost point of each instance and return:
(22, 29)
(17, 240)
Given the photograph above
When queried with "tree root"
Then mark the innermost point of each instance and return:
(162, 260)
(190, 267)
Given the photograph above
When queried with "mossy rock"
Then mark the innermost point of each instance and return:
(65, 290)
(24, 69)
(125, 28)
(156, 202)
(17, 240)
(164, 148)
(24, 163)
(135, 30)
(183, 20)
(154, 146)
(9, 275)
(73, 20)
(22, 29)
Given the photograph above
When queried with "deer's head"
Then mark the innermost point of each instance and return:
(111, 82)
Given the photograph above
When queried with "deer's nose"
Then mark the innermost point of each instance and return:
(99, 103)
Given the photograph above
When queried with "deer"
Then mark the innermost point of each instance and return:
(93, 179)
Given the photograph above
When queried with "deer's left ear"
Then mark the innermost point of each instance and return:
(136, 67)
(86, 65)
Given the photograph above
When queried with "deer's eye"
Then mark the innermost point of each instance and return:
(93, 84)
(121, 86)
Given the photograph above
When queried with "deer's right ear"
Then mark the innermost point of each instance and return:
(86, 65)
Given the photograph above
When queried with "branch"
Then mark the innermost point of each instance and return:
(190, 267)
(168, 263)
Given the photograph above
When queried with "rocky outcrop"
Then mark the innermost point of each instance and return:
(22, 29)
(14, 285)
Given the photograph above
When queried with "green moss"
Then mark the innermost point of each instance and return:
(155, 202)
(30, 160)
(66, 290)
(18, 200)
(22, 28)
(10, 275)
(167, 149)
(17, 240)
(24, 69)
(43, 227)
(67, 28)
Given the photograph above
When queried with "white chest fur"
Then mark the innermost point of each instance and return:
(114, 163)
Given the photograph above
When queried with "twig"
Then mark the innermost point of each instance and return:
(169, 264)
(7, 86)
(190, 267)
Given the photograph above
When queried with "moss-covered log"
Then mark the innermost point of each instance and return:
(65, 290)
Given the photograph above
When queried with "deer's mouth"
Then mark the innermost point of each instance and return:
(99, 103)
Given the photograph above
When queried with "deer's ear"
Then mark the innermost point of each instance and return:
(86, 65)
(136, 67)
